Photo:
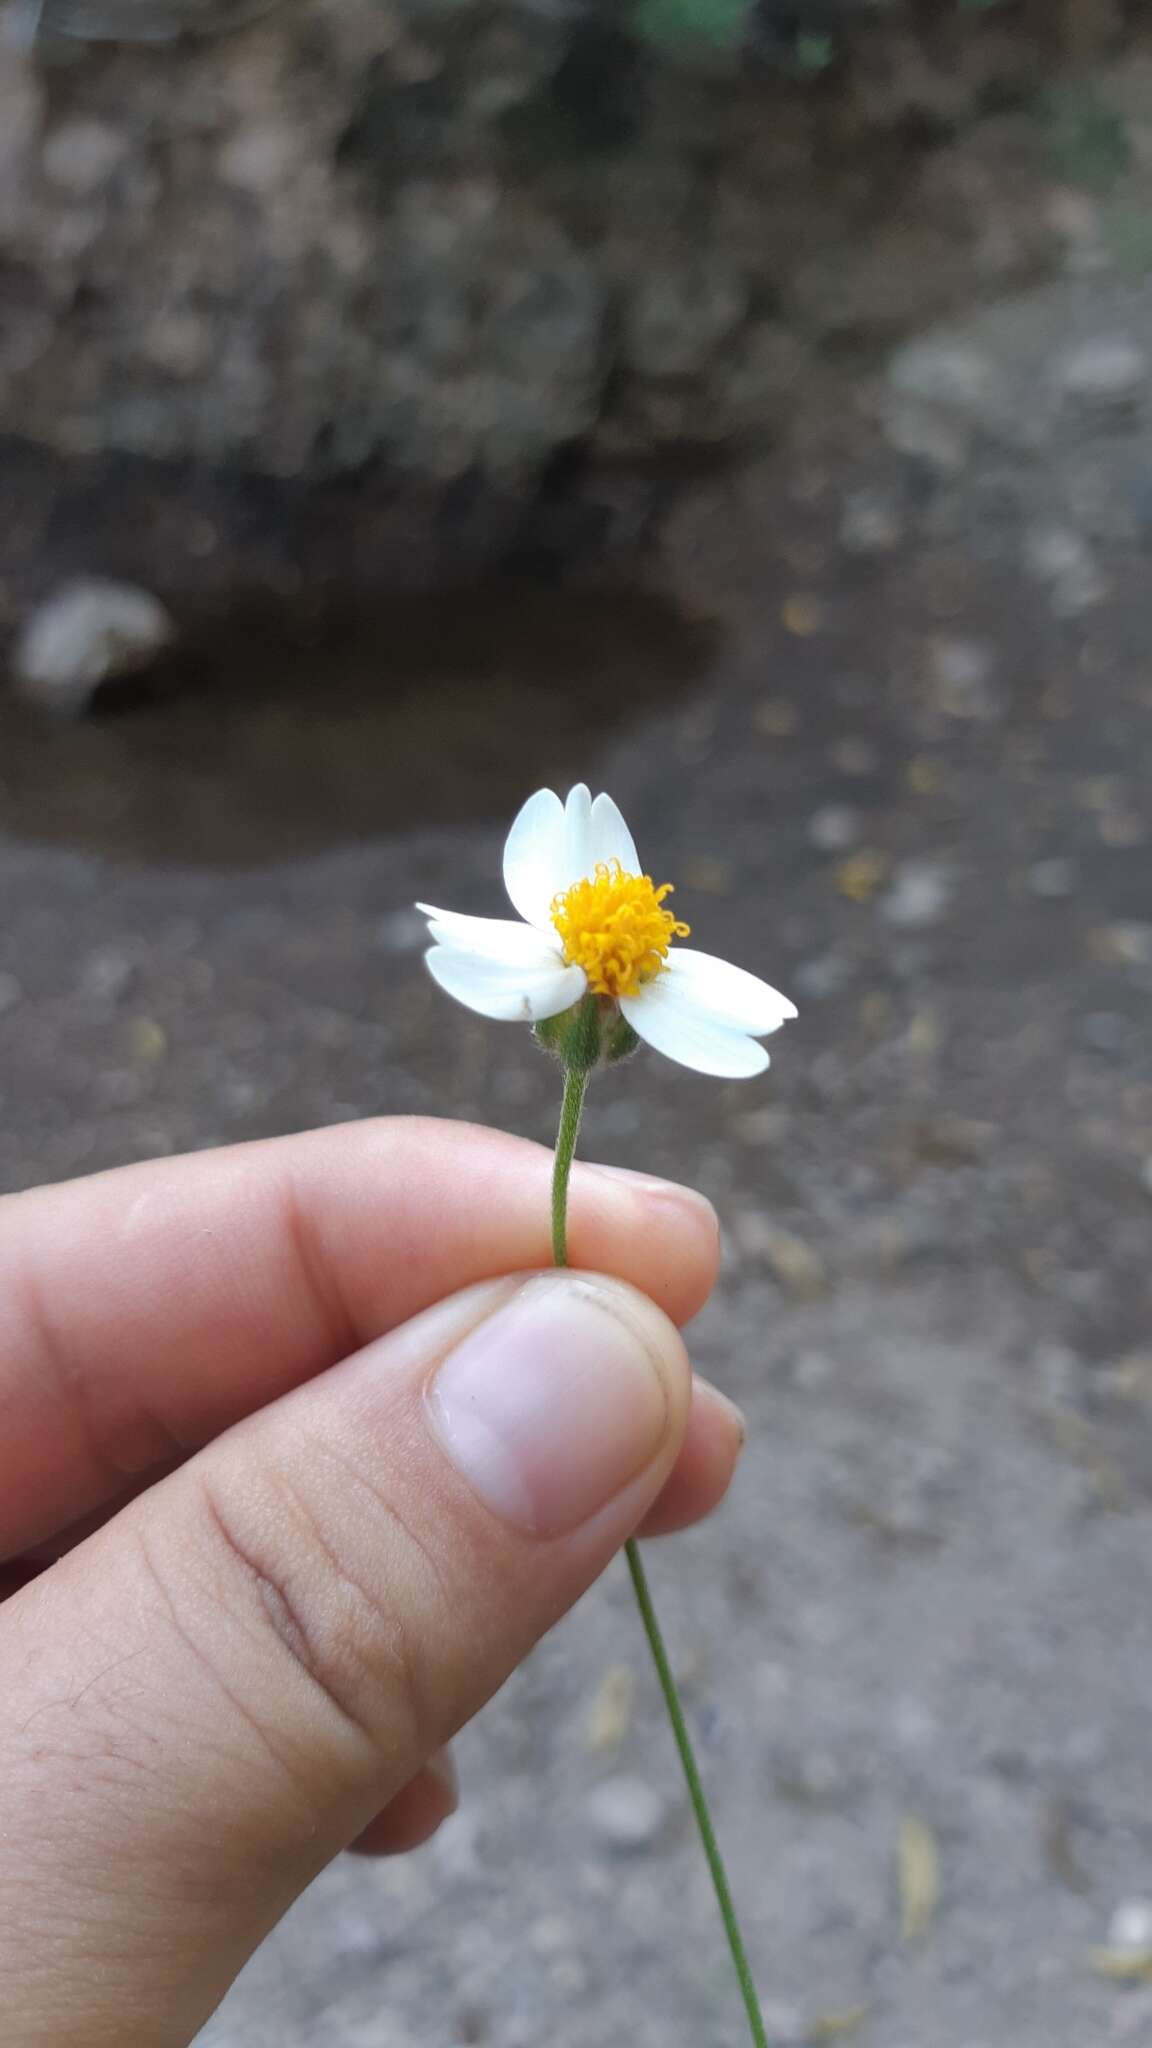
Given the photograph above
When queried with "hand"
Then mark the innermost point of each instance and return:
(298, 1458)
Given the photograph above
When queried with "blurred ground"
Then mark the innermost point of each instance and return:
(885, 720)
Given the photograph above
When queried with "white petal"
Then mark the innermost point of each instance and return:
(535, 868)
(672, 1027)
(611, 839)
(726, 994)
(509, 993)
(579, 860)
(497, 938)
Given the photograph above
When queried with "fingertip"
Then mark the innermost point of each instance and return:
(672, 1231)
(714, 1438)
(416, 1814)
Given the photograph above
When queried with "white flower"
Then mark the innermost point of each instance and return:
(594, 923)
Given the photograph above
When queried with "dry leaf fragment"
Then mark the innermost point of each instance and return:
(919, 1864)
(833, 2026)
(1124, 1965)
(610, 1714)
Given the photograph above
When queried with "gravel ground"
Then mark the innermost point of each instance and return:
(892, 765)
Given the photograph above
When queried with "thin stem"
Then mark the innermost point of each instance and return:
(696, 1794)
(575, 1086)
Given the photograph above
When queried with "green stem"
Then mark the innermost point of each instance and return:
(697, 1795)
(575, 1087)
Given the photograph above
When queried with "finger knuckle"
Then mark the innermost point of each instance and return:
(352, 1633)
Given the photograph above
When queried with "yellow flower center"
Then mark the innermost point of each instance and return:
(614, 926)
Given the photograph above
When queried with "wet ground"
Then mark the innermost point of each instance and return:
(902, 770)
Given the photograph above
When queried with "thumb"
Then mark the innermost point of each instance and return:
(213, 1695)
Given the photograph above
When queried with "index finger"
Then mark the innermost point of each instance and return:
(143, 1311)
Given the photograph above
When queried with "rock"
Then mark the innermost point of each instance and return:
(834, 828)
(1130, 1928)
(822, 976)
(870, 523)
(80, 156)
(627, 1813)
(920, 894)
(106, 975)
(1062, 559)
(946, 371)
(1108, 373)
(87, 632)
(963, 679)
(922, 433)
(1053, 878)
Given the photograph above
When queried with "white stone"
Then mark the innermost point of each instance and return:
(1109, 371)
(870, 523)
(81, 155)
(85, 633)
(1130, 1928)
(627, 1812)
(964, 679)
(923, 433)
(1061, 558)
(948, 373)
(834, 828)
(920, 894)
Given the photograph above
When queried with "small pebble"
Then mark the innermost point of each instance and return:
(834, 828)
(1053, 878)
(10, 992)
(85, 633)
(81, 155)
(941, 371)
(963, 679)
(106, 974)
(920, 894)
(627, 1813)
(870, 523)
(1060, 558)
(1109, 373)
(1130, 1927)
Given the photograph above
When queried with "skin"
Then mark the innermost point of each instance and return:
(251, 1592)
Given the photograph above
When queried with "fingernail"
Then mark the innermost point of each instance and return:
(550, 1407)
(649, 1184)
(704, 1390)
